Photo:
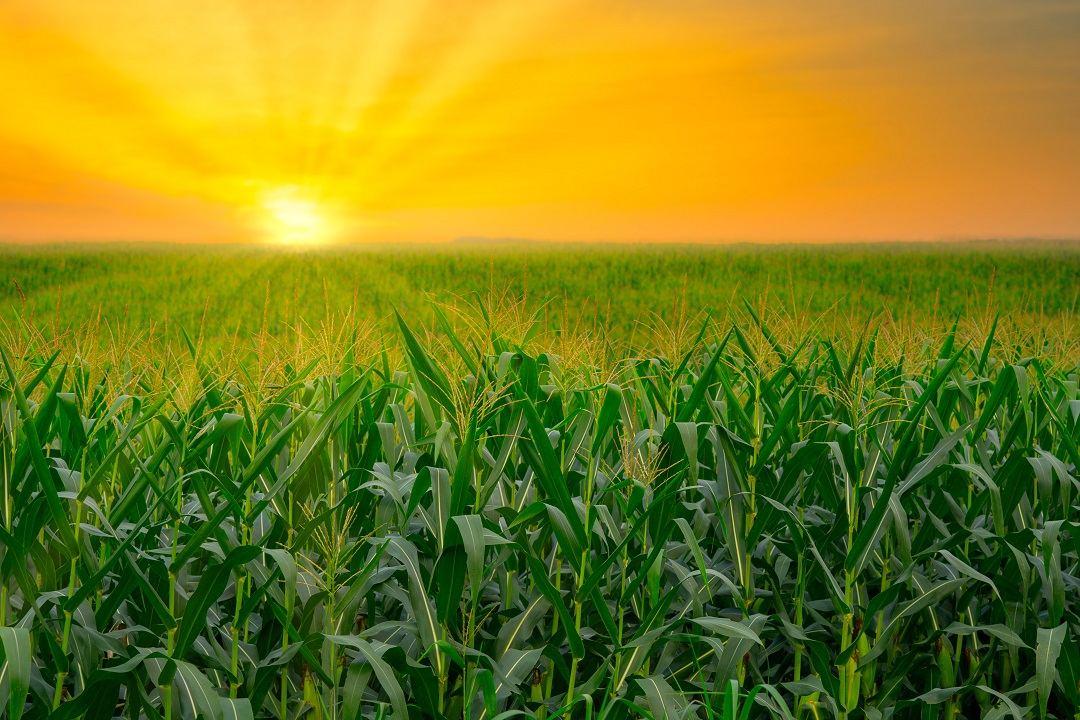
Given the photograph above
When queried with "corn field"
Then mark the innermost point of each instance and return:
(469, 529)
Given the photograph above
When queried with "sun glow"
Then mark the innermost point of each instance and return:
(293, 217)
(586, 120)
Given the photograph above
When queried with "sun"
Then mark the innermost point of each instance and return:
(293, 216)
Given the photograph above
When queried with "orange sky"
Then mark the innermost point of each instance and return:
(270, 120)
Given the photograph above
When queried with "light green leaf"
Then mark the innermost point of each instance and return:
(15, 642)
(1046, 655)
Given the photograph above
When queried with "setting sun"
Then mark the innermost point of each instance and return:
(294, 218)
(559, 120)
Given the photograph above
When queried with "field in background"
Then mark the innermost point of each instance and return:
(610, 289)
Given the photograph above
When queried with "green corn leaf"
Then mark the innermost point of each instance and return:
(471, 530)
(1046, 657)
(427, 372)
(211, 587)
(238, 709)
(15, 664)
(41, 468)
(661, 697)
(197, 695)
(728, 628)
(548, 470)
(861, 547)
(518, 628)
(920, 602)
(422, 607)
(538, 574)
(372, 653)
(701, 387)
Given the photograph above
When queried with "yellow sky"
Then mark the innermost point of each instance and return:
(665, 120)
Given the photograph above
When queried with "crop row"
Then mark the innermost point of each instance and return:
(479, 533)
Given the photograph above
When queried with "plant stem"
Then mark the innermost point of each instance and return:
(72, 578)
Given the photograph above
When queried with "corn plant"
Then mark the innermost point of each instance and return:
(749, 528)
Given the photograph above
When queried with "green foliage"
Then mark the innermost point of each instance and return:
(754, 527)
(237, 289)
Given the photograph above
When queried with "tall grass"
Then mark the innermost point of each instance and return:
(727, 520)
(596, 287)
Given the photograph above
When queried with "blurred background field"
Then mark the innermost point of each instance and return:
(229, 293)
